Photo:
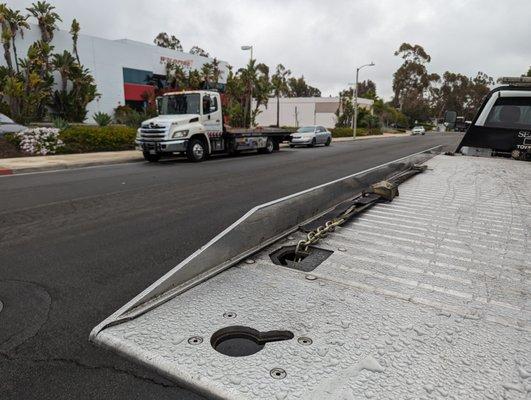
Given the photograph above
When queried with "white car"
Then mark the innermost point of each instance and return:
(7, 125)
(310, 136)
(418, 130)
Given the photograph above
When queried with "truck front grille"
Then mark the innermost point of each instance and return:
(153, 132)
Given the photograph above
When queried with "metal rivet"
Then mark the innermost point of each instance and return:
(342, 249)
(195, 340)
(311, 277)
(305, 341)
(291, 237)
(277, 373)
(229, 314)
(249, 261)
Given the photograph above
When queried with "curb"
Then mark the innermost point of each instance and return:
(6, 171)
(64, 166)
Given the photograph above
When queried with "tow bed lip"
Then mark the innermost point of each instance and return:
(421, 298)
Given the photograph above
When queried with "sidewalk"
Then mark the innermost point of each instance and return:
(19, 165)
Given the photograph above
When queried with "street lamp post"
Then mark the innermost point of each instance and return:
(355, 120)
(245, 48)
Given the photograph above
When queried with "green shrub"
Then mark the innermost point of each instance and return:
(102, 119)
(347, 132)
(60, 123)
(13, 138)
(85, 139)
(130, 117)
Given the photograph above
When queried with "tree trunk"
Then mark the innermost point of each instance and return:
(15, 54)
(7, 56)
(64, 82)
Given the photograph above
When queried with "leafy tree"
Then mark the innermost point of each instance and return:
(367, 89)
(299, 88)
(74, 31)
(528, 72)
(46, 18)
(279, 84)
(198, 51)
(169, 42)
(412, 83)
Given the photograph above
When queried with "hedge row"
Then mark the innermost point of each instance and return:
(85, 139)
(347, 132)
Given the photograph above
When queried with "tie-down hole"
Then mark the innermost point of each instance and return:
(241, 341)
(306, 261)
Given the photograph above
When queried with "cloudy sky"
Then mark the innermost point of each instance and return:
(325, 40)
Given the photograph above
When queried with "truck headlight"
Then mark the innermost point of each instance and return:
(179, 134)
(138, 133)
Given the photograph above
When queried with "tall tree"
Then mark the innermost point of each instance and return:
(299, 88)
(74, 31)
(199, 51)
(17, 23)
(167, 41)
(46, 18)
(367, 89)
(5, 37)
(279, 83)
(412, 83)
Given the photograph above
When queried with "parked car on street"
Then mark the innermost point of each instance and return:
(7, 125)
(418, 130)
(310, 136)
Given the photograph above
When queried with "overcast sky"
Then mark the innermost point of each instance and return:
(325, 40)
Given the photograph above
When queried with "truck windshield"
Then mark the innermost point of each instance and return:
(180, 104)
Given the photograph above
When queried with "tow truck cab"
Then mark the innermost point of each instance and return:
(502, 127)
(192, 123)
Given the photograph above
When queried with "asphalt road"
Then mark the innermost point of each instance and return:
(77, 244)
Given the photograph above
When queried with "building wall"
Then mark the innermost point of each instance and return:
(107, 58)
(309, 110)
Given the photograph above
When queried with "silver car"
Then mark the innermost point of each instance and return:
(7, 125)
(310, 136)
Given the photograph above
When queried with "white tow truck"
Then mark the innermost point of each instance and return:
(193, 123)
(350, 291)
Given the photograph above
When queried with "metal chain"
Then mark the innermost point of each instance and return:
(314, 236)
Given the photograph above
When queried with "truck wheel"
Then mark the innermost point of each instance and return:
(196, 151)
(151, 157)
(269, 147)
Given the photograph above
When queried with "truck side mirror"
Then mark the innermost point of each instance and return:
(159, 104)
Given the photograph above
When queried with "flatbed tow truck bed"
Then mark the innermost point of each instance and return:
(424, 297)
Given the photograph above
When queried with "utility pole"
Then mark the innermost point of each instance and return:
(355, 120)
(245, 48)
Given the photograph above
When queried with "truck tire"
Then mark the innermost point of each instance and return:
(269, 147)
(197, 150)
(151, 157)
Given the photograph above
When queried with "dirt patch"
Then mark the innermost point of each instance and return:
(9, 150)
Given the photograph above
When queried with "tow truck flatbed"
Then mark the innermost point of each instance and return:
(427, 296)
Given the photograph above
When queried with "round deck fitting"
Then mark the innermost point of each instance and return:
(278, 373)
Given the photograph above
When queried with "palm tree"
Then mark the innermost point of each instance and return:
(279, 83)
(5, 37)
(74, 31)
(17, 23)
(46, 18)
(64, 64)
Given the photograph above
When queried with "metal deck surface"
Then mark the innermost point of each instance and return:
(425, 297)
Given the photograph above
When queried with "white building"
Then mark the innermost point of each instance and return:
(300, 111)
(121, 68)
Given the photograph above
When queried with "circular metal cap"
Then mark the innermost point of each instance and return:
(229, 314)
(311, 277)
(305, 341)
(277, 373)
(195, 340)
